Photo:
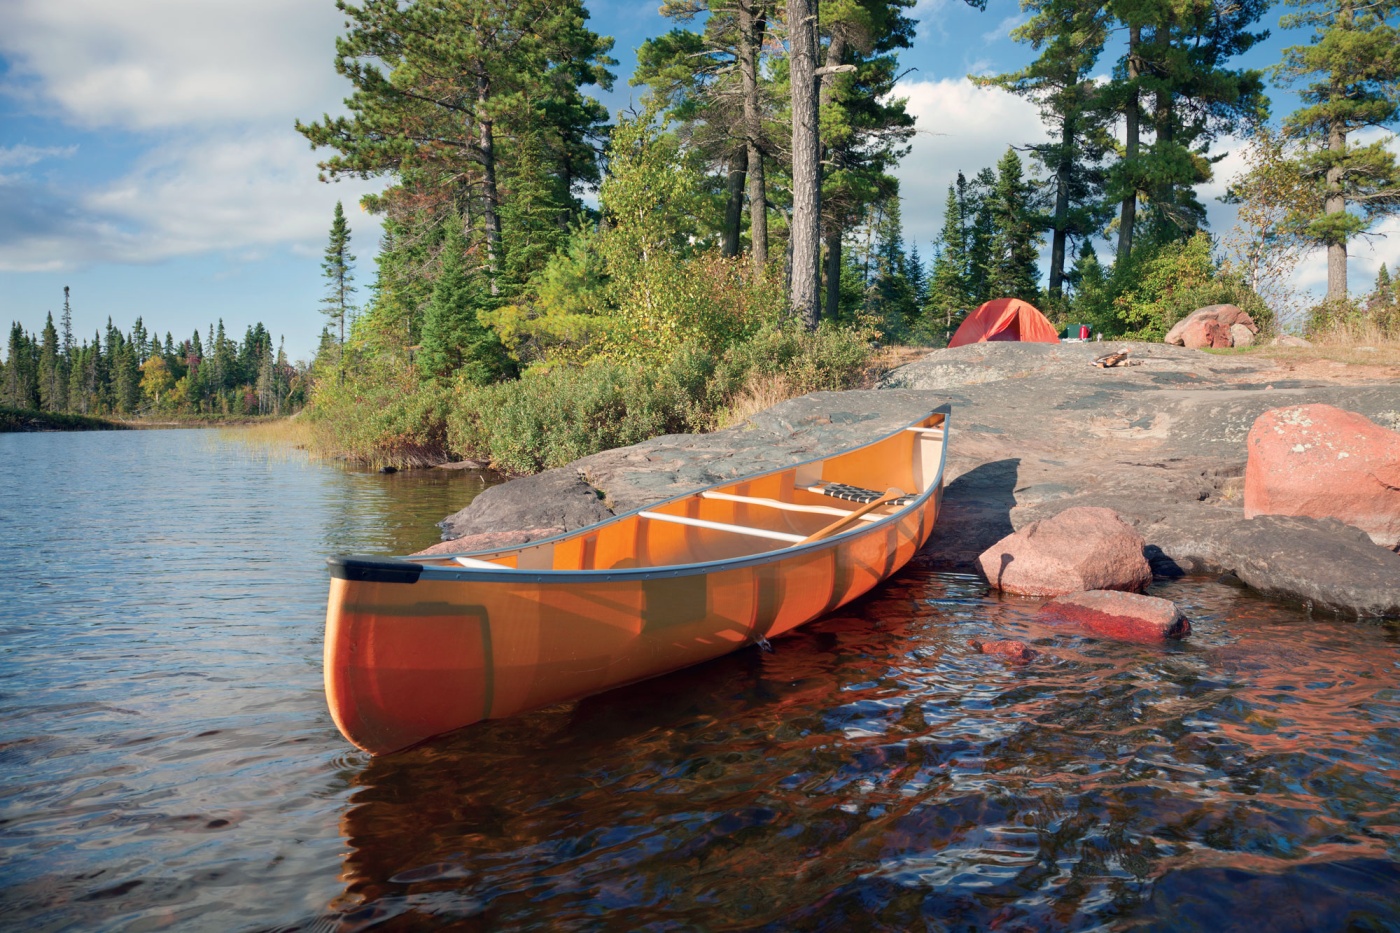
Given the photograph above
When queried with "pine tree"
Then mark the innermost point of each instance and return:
(1012, 267)
(865, 126)
(917, 275)
(67, 324)
(53, 386)
(21, 388)
(1071, 36)
(1173, 82)
(337, 267)
(1088, 283)
(531, 213)
(455, 342)
(949, 291)
(979, 200)
(441, 87)
(1353, 67)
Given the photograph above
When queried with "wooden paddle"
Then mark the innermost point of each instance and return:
(890, 495)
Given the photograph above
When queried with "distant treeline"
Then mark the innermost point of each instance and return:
(137, 373)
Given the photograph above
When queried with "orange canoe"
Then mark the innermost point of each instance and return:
(416, 647)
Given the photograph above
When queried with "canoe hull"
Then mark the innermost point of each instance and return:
(408, 661)
(421, 647)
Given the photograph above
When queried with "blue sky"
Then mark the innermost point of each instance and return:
(148, 160)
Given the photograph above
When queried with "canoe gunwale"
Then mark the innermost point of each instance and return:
(377, 569)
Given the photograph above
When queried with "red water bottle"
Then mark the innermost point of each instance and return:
(1083, 331)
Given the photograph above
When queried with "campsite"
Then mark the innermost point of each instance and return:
(686, 465)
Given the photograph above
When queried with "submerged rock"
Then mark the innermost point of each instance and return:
(1319, 461)
(1084, 548)
(1122, 616)
(1011, 650)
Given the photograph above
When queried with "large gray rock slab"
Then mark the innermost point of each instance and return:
(615, 481)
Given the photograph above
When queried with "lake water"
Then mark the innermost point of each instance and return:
(167, 760)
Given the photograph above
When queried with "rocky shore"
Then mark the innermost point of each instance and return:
(1036, 429)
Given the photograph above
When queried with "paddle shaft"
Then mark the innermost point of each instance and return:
(890, 495)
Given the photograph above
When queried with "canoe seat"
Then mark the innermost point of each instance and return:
(855, 493)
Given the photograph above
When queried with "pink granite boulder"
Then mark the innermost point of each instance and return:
(1322, 462)
(1117, 615)
(1011, 650)
(1083, 548)
(1212, 326)
(488, 541)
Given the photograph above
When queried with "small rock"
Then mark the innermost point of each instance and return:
(488, 541)
(1082, 548)
(1122, 616)
(1319, 461)
(1288, 340)
(388, 469)
(1013, 650)
(1241, 336)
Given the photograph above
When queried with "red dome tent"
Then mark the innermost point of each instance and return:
(1005, 319)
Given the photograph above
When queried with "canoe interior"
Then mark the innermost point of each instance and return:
(621, 601)
(910, 460)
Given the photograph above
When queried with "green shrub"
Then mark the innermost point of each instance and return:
(545, 420)
(381, 414)
(831, 358)
(549, 418)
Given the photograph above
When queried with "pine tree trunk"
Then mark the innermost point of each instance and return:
(1335, 204)
(734, 206)
(1060, 235)
(492, 204)
(833, 271)
(1128, 213)
(806, 160)
(751, 28)
(1165, 131)
(832, 227)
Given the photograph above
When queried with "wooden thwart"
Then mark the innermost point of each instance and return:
(722, 526)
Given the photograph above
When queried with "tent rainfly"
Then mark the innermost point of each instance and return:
(1005, 319)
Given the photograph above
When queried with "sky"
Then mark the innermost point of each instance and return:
(148, 158)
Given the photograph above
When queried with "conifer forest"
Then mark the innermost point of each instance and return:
(552, 279)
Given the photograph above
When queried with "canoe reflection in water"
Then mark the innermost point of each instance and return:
(421, 646)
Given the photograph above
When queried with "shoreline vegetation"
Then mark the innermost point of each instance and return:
(13, 420)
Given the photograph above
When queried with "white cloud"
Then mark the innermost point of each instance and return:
(161, 63)
(929, 15)
(241, 194)
(22, 156)
(210, 91)
(961, 127)
(1002, 30)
